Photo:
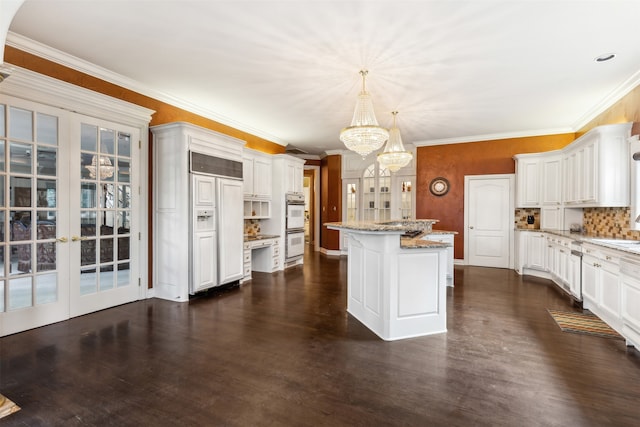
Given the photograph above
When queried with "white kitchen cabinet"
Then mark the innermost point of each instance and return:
(551, 165)
(597, 168)
(295, 177)
(630, 308)
(602, 285)
(178, 257)
(256, 171)
(535, 250)
(528, 180)
(287, 176)
(552, 218)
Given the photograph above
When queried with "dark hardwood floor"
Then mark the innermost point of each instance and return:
(281, 351)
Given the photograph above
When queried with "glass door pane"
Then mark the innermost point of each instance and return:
(103, 203)
(351, 201)
(406, 200)
(369, 194)
(384, 185)
(33, 266)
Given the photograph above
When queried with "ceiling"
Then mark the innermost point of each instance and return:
(288, 71)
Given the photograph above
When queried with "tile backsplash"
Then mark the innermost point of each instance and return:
(605, 222)
(251, 227)
(609, 222)
(521, 215)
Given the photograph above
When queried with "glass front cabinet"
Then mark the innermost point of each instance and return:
(372, 193)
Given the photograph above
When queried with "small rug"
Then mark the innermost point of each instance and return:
(583, 323)
(7, 407)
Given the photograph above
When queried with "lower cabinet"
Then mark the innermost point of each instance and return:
(261, 255)
(630, 304)
(602, 285)
(535, 245)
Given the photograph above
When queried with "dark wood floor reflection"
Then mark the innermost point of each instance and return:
(281, 351)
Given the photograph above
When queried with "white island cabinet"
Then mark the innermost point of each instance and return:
(398, 290)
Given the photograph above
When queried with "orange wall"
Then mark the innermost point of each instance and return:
(164, 113)
(454, 161)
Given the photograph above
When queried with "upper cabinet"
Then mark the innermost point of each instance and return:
(294, 170)
(597, 168)
(538, 177)
(592, 171)
(528, 180)
(256, 172)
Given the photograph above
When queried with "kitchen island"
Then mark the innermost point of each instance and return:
(396, 285)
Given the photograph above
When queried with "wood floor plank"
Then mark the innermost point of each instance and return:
(282, 351)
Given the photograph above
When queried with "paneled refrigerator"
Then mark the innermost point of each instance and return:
(216, 231)
(198, 218)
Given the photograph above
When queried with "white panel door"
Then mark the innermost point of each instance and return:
(489, 219)
(104, 202)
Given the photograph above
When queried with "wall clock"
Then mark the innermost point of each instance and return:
(439, 186)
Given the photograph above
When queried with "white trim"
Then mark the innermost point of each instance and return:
(32, 86)
(43, 51)
(615, 96)
(512, 181)
(332, 252)
(494, 136)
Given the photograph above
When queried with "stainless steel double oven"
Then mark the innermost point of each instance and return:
(295, 218)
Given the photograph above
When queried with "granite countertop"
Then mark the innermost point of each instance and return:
(259, 237)
(624, 245)
(415, 242)
(399, 225)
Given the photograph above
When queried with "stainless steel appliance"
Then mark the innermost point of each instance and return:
(575, 262)
(294, 242)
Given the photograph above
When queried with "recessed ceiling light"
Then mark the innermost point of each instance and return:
(605, 57)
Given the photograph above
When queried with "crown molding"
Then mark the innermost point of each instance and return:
(493, 136)
(615, 96)
(27, 84)
(54, 55)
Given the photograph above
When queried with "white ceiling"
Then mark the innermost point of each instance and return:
(288, 70)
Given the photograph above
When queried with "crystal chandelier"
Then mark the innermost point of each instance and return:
(394, 155)
(364, 135)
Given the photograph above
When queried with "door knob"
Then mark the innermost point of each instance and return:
(76, 238)
(62, 239)
(471, 227)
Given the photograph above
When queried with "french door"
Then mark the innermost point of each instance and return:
(67, 215)
(103, 230)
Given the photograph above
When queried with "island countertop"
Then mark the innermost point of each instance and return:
(414, 242)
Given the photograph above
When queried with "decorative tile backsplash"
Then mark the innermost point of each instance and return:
(522, 214)
(251, 227)
(604, 222)
(609, 222)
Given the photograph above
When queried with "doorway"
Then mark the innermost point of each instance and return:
(311, 203)
(489, 220)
